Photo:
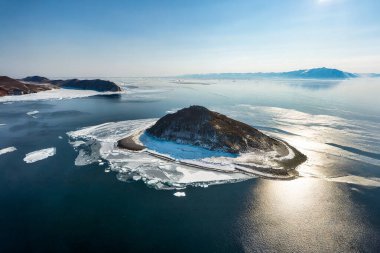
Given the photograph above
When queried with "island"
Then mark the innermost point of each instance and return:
(196, 125)
(249, 150)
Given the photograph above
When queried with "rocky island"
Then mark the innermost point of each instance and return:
(196, 125)
(254, 151)
(94, 84)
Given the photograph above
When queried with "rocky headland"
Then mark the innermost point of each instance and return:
(34, 84)
(10, 87)
(94, 84)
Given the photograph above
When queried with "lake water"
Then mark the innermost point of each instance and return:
(334, 206)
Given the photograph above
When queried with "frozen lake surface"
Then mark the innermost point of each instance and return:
(72, 198)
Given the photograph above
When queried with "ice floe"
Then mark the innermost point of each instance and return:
(179, 194)
(7, 150)
(39, 155)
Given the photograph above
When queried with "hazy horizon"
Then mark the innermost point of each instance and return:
(167, 38)
(166, 76)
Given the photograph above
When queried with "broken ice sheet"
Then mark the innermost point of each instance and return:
(99, 142)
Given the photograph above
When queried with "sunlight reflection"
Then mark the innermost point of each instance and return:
(290, 197)
(297, 213)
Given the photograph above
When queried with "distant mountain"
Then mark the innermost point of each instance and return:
(10, 86)
(315, 73)
(96, 84)
(319, 73)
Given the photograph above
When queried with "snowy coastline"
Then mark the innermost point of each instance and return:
(55, 94)
(165, 165)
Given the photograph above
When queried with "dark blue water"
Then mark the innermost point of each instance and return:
(54, 206)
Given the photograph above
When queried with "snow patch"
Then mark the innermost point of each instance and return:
(180, 151)
(197, 176)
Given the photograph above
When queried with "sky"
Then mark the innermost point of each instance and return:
(96, 38)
